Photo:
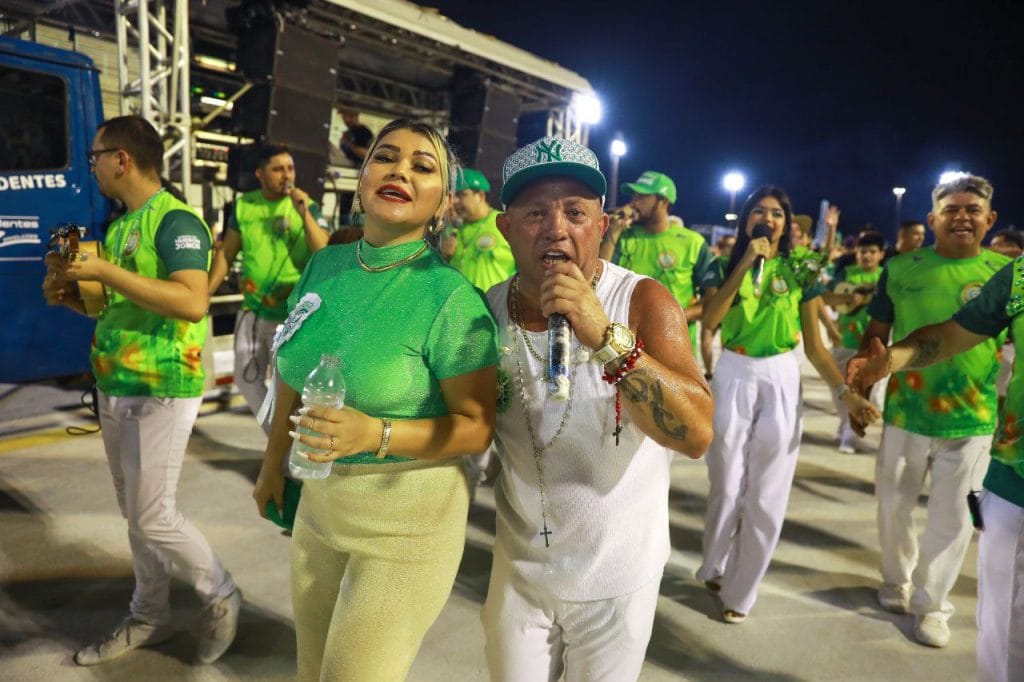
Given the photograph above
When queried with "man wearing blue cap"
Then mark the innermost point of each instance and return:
(582, 502)
(481, 253)
(644, 240)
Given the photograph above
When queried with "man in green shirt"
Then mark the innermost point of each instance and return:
(480, 251)
(149, 376)
(644, 241)
(1000, 515)
(277, 228)
(849, 292)
(939, 419)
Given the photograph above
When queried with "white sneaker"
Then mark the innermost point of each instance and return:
(218, 627)
(130, 634)
(932, 630)
(894, 598)
(733, 617)
(847, 449)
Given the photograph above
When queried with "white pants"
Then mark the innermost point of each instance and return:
(145, 440)
(533, 637)
(1001, 591)
(751, 463)
(253, 340)
(932, 565)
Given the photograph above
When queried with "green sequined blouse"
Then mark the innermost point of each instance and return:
(398, 332)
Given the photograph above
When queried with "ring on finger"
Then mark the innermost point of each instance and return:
(331, 448)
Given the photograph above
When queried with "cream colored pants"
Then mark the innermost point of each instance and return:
(374, 556)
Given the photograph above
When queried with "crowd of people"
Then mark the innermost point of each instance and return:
(441, 310)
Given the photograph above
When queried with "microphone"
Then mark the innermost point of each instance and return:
(759, 231)
(559, 346)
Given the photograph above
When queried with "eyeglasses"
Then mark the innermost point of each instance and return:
(94, 154)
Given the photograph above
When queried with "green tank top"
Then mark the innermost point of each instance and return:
(482, 254)
(274, 252)
(769, 324)
(852, 325)
(955, 398)
(137, 352)
(398, 332)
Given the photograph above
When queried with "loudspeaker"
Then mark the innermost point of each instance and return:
(295, 76)
(484, 122)
(310, 170)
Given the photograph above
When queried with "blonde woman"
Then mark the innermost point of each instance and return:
(377, 544)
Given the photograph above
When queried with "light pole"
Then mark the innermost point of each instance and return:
(733, 182)
(899, 192)
(618, 151)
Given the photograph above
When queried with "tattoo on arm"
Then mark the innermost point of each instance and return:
(925, 353)
(642, 387)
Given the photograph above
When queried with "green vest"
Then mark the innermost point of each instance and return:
(482, 254)
(274, 252)
(852, 325)
(136, 352)
(769, 324)
(1008, 444)
(955, 398)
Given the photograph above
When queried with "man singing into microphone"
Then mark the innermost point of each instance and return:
(277, 228)
(582, 501)
(643, 240)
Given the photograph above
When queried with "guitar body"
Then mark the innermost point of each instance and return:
(850, 288)
(66, 239)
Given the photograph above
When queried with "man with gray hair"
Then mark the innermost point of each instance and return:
(582, 501)
(938, 419)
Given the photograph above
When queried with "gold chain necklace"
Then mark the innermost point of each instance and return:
(389, 266)
(538, 451)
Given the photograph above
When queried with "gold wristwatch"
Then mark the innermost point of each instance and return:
(618, 341)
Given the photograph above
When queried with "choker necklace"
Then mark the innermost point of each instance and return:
(389, 266)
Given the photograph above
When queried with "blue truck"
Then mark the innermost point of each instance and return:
(50, 107)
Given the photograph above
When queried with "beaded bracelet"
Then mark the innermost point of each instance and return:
(628, 364)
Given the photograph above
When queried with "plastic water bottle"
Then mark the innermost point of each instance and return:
(324, 387)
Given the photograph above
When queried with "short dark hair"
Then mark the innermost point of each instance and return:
(1015, 237)
(269, 151)
(138, 138)
(871, 238)
(907, 224)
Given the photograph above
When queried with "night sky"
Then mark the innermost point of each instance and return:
(826, 99)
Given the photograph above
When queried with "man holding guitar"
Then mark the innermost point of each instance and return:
(146, 359)
(850, 293)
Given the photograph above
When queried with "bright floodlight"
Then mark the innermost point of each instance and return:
(731, 216)
(587, 106)
(733, 181)
(618, 148)
(899, 191)
(950, 176)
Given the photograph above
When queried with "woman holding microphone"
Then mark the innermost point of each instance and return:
(769, 301)
(377, 543)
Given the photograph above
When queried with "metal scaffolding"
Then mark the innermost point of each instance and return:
(161, 92)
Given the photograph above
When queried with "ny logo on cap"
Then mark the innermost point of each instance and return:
(547, 153)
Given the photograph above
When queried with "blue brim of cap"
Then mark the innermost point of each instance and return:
(590, 177)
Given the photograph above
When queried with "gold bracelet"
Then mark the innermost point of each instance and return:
(385, 438)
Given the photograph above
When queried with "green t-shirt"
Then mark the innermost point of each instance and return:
(677, 257)
(274, 250)
(955, 398)
(398, 332)
(482, 254)
(997, 308)
(769, 324)
(137, 352)
(852, 325)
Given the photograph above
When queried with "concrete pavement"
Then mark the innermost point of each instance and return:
(65, 572)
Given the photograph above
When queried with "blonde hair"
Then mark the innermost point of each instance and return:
(447, 164)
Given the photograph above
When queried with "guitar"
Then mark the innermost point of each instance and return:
(865, 290)
(67, 240)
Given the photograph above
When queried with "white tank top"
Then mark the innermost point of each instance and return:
(607, 506)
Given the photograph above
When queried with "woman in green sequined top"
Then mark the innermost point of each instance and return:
(377, 543)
